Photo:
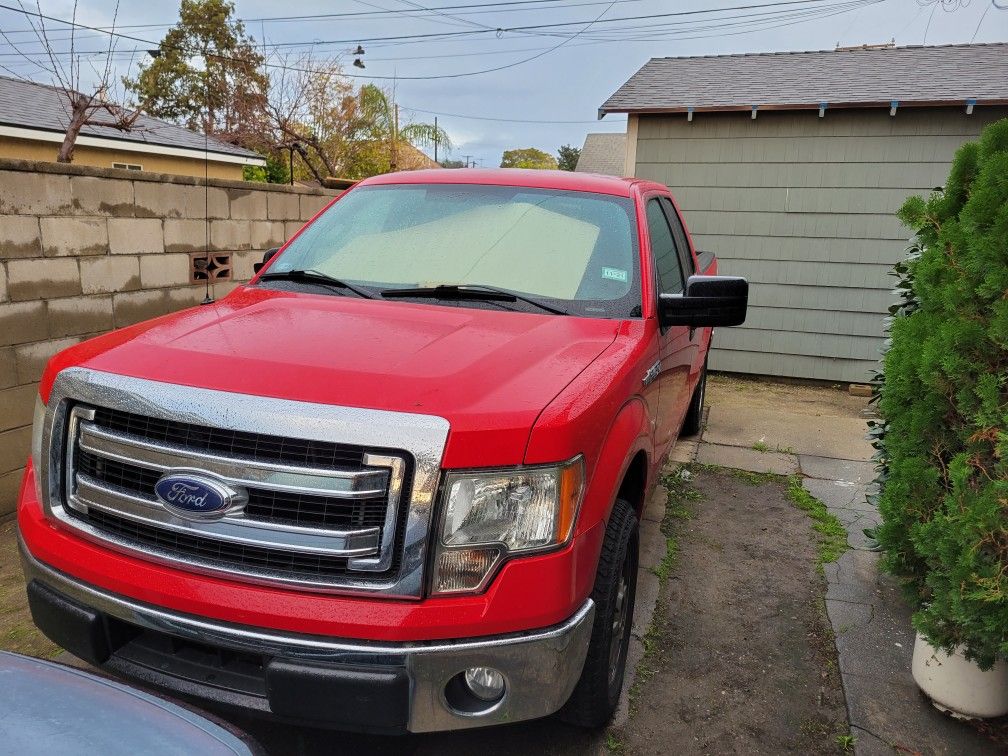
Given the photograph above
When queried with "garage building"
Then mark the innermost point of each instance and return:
(791, 166)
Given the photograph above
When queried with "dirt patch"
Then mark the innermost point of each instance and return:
(17, 631)
(742, 657)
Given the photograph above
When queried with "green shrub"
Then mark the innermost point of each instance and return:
(943, 445)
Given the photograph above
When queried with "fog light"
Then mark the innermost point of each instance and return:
(486, 683)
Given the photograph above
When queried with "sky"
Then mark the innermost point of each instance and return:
(558, 59)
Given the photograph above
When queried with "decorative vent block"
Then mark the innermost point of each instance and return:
(215, 267)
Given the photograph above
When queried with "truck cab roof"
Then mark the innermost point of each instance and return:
(536, 179)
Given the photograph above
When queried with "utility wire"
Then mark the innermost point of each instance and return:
(657, 31)
(820, 10)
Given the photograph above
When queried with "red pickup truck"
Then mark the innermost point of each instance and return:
(393, 483)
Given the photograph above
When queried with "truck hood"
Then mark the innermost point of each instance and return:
(489, 373)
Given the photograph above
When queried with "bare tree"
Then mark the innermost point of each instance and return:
(93, 108)
(309, 105)
(315, 112)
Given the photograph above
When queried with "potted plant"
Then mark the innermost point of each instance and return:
(943, 441)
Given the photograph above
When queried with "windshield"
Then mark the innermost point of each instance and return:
(577, 250)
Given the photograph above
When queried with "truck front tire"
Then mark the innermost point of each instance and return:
(598, 690)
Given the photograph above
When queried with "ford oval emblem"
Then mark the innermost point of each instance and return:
(196, 496)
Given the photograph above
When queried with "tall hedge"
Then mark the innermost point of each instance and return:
(944, 400)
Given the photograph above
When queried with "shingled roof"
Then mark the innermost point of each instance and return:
(29, 105)
(603, 153)
(861, 77)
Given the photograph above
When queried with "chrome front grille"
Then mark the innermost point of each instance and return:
(316, 511)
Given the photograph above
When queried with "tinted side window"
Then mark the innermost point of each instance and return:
(679, 233)
(663, 250)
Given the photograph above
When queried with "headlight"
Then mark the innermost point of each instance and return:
(488, 515)
(38, 421)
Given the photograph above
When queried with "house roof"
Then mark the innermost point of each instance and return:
(860, 77)
(42, 108)
(604, 154)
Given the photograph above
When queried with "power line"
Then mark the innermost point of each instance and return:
(495, 120)
(820, 9)
(483, 30)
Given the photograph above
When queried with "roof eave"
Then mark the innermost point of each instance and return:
(19, 131)
(603, 111)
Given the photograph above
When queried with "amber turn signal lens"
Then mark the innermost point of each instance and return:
(571, 489)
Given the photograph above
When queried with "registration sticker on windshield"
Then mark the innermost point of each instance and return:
(614, 274)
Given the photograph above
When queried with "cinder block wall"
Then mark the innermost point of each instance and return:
(85, 250)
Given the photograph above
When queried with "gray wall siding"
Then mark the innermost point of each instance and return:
(804, 207)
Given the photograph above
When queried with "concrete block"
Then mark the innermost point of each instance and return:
(43, 278)
(73, 316)
(291, 228)
(185, 235)
(242, 262)
(10, 484)
(15, 446)
(32, 358)
(740, 458)
(17, 405)
(267, 234)
(72, 237)
(216, 203)
(161, 271)
(101, 275)
(3, 283)
(94, 195)
(311, 204)
(283, 206)
(8, 369)
(136, 306)
(230, 235)
(247, 204)
(26, 193)
(152, 199)
(20, 237)
(181, 297)
(21, 322)
(135, 236)
(222, 289)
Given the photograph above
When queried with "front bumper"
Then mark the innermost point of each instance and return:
(314, 680)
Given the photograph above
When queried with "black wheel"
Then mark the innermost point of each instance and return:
(598, 690)
(694, 415)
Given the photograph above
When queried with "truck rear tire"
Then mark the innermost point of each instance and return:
(694, 415)
(597, 692)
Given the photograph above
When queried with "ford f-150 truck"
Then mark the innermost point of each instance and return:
(393, 483)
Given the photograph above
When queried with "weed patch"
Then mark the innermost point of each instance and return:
(832, 534)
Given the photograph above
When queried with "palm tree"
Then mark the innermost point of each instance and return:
(380, 137)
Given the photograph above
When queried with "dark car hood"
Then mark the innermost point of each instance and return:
(483, 370)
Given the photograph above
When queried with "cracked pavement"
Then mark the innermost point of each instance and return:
(819, 433)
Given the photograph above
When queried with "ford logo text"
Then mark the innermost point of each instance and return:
(197, 497)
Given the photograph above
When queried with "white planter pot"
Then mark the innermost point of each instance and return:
(959, 687)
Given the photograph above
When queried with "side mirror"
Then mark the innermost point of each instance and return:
(268, 255)
(707, 301)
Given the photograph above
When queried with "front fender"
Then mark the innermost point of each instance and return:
(629, 434)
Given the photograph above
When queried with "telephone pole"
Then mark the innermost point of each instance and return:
(467, 160)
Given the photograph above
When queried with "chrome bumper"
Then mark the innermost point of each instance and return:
(540, 667)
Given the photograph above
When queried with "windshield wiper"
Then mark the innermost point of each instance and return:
(479, 292)
(315, 277)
